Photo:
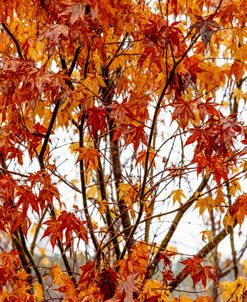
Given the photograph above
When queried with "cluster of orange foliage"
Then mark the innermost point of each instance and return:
(150, 97)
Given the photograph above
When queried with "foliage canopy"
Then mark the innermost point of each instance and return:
(118, 118)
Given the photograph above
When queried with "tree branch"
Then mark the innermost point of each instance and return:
(83, 190)
(42, 153)
(176, 221)
(146, 166)
(202, 254)
(110, 224)
(115, 157)
(14, 40)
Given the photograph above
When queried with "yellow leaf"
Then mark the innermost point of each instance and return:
(227, 221)
(204, 203)
(177, 196)
(90, 157)
(128, 193)
(93, 192)
(207, 235)
(234, 187)
(219, 199)
(183, 298)
(38, 292)
(102, 207)
(154, 289)
(233, 291)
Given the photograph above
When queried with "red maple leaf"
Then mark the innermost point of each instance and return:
(198, 272)
(183, 112)
(67, 222)
(27, 197)
(96, 120)
(207, 108)
(70, 223)
(239, 209)
(120, 111)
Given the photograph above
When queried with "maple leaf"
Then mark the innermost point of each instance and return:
(64, 281)
(54, 230)
(204, 203)
(90, 157)
(183, 112)
(135, 135)
(67, 222)
(75, 9)
(96, 120)
(238, 210)
(206, 28)
(27, 197)
(141, 157)
(120, 112)
(153, 291)
(207, 108)
(88, 273)
(47, 194)
(7, 187)
(108, 282)
(215, 143)
(174, 35)
(38, 291)
(177, 196)
(234, 290)
(203, 299)
(9, 263)
(167, 272)
(70, 223)
(126, 289)
(198, 272)
(57, 31)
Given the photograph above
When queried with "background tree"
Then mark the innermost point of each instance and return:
(118, 118)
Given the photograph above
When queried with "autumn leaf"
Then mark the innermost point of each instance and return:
(89, 156)
(67, 222)
(27, 197)
(108, 282)
(38, 292)
(205, 27)
(198, 272)
(153, 291)
(206, 203)
(75, 10)
(64, 282)
(207, 108)
(56, 31)
(96, 120)
(183, 112)
(177, 196)
(235, 290)
(238, 210)
(204, 299)
(141, 157)
(126, 289)
(120, 112)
